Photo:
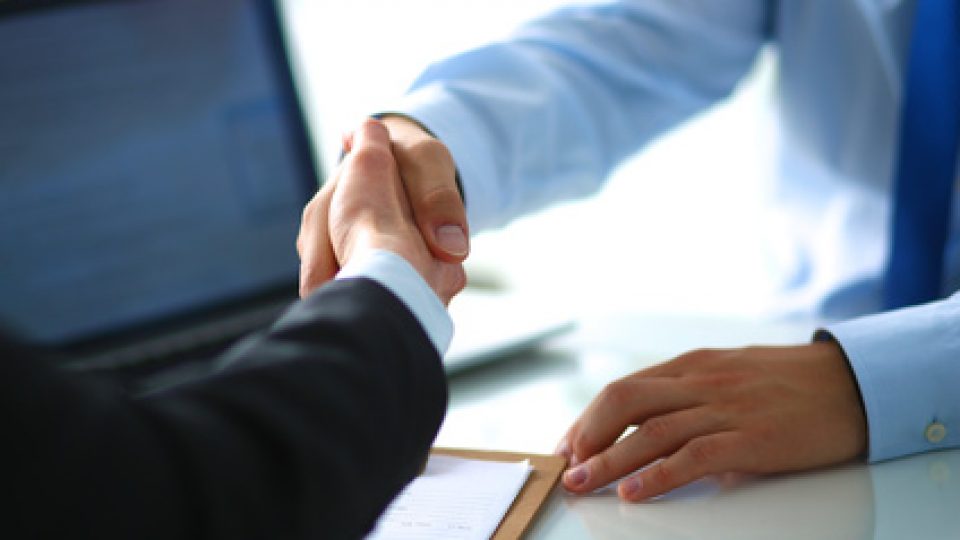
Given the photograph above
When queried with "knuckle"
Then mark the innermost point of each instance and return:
(429, 150)
(615, 395)
(601, 465)
(427, 166)
(724, 380)
(372, 159)
(370, 123)
(443, 197)
(583, 444)
(707, 354)
(661, 475)
(656, 429)
(697, 357)
(704, 452)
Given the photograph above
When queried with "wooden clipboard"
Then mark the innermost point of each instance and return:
(546, 471)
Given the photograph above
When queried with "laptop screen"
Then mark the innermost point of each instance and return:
(153, 163)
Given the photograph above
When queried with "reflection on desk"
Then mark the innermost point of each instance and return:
(914, 498)
(527, 402)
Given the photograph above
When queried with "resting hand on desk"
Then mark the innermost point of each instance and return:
(752, 410)
(365, 207)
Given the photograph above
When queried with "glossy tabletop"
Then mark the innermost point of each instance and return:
(525, 403)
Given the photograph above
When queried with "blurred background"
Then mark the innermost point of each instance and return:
(677, 229)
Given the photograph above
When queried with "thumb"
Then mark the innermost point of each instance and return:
(429, 177)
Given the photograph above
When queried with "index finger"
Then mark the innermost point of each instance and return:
(699, 457)
(621, 404)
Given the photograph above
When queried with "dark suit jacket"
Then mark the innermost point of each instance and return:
(309, 432)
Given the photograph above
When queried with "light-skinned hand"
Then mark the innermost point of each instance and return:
(364, 207)
(752, 410)
(429, 176)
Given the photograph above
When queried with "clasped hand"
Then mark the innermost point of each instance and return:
(364, 207)
(752, 410)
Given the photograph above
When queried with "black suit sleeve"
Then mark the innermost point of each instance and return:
(309, 432)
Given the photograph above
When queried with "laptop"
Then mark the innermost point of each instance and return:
(154, 162)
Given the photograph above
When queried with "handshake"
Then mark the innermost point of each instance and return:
(366, 206)
(750, 410)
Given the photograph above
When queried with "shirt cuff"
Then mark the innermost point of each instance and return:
(906, 364)
(400, 278)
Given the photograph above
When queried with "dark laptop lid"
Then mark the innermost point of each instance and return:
(153, 166)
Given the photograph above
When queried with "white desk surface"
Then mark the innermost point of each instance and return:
(526, 403)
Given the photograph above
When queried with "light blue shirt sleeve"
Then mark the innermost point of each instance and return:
(399, 277)
(549, 113)
(907, 363)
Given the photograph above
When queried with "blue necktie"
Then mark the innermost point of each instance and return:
(926, 168)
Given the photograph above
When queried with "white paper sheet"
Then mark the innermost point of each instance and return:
(454, 499)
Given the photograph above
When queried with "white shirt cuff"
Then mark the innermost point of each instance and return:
(399, 277)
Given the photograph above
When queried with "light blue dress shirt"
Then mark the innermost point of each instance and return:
(548, 113)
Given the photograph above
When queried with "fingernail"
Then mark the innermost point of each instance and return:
(630, 488)
(453, 239)
(563, 449)
(575, 477)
